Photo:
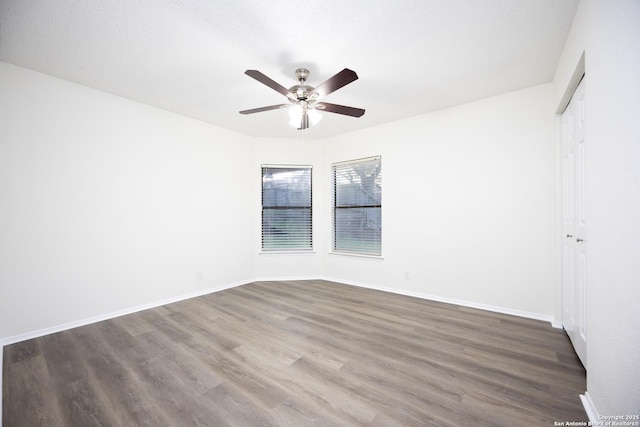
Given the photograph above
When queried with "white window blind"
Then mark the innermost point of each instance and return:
(286, 208)
(357, 207)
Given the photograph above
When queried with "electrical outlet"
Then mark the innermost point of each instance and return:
(407, 275)
(199, 275)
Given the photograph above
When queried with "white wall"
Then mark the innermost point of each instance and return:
(608, 33)
(115, 204)
(468, 202)
(108, 204)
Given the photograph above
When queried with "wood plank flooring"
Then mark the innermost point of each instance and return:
(297, 353)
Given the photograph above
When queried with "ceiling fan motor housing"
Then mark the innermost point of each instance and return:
(301, 92)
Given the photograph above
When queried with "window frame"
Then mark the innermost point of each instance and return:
(336, 208)
(263, 208)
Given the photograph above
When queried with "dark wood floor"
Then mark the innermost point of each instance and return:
(307, 353)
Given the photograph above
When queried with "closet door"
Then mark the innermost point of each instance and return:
(574, 246)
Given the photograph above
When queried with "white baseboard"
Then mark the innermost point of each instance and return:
(101, 317)
(464, 303)
(114, 314)
(285, 279)
(130, 310)
(586, 400)
(1, 369)
(556, 324)
(590, 408)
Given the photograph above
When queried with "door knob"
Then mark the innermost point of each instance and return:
(579, 240)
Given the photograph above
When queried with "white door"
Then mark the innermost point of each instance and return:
(574, 255)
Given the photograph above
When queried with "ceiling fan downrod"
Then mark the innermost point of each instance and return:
(301, 91)
(302, 74)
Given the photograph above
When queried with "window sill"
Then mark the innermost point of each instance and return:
(288, 252)
(351, 254)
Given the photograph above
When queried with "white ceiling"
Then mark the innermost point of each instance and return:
(189, 56)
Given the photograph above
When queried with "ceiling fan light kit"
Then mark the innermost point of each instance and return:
(304, 99)
(297, 112)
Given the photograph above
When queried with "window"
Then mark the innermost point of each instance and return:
(357, 206)
(286, 208)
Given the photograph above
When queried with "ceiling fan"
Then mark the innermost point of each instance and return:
(303, 99)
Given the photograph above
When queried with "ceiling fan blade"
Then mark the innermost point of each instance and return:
(269, 82)
(261, 109)
(304, 121)
(339, 109)
(341, 79)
